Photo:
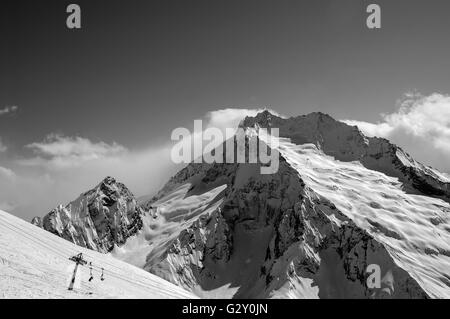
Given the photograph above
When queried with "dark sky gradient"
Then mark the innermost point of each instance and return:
(138, 69)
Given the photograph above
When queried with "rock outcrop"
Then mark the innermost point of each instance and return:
(99, 219)
(37, 221)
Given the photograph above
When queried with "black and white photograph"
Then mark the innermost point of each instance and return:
(225, 153)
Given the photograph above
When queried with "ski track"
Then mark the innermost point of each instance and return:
(35, 264)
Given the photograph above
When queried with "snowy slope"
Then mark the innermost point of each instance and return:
(35, 264)
(415, 229)
(166, 218)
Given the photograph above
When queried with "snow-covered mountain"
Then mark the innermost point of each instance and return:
(347, 143)
(35, 264)
(99, 219)
(339, 203)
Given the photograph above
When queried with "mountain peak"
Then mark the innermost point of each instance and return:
(319, 116)
(108, 183)
(347, 143)
(266, 119)
(109, 180)
(98, 219)
(263, 119)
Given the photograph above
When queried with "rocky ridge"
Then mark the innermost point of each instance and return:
(99, 219)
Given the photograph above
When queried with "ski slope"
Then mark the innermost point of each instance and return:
(35, 264)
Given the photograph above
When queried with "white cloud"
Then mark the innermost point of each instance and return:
(8, 109)
(371, 129)
(7, 173)
(7, 178)
(61, 152)
(421, 125)
(4, 111)
(3, 147)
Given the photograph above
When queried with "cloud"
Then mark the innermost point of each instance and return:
(4, 111)
(8, 109)
(421, 125)
(3, 147)
(61, 152)
(7, 173)
(370, 129)
(7, 178)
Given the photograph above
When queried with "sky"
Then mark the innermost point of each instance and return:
(77, 105)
